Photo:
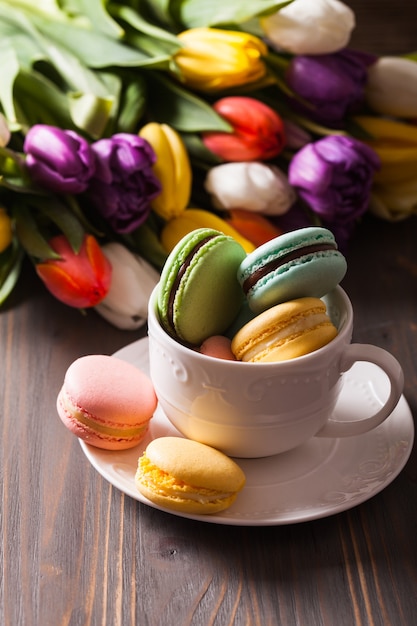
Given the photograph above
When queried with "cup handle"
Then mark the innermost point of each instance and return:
(388, 363)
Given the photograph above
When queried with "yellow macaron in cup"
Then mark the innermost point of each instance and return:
(285, 331)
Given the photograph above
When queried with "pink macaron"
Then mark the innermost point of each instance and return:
(106, 402)
(218, 347)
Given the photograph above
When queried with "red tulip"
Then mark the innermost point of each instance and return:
(258, 131)
(78, 280)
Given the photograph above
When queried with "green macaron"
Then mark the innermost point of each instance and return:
(199, 294)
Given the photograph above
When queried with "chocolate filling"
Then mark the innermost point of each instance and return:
(285, 258)
(183, 268)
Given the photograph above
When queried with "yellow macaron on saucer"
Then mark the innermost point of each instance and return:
(318, 479)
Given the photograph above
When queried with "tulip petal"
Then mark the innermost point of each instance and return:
(79, 280)
(59, 160)
(98, 262)
(65, 288)
(306, 27)
(334, 176)
(214, 59)
(124, 183)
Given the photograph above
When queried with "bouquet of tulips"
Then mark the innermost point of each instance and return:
(126, 124)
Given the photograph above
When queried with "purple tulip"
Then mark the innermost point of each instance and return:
(59, 160)
(333, 84)
(124, 182)
(334, 177)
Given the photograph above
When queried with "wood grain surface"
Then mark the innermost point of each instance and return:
(77, 552)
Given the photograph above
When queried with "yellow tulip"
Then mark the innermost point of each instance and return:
(394, 202)
(6, 233)
(192, 219)
(395, 142)
(172, 168)
(212, 59)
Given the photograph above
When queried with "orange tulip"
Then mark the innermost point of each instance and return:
(255, 227)
(78, 280)
(6, 232)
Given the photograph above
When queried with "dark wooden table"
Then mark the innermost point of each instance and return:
(77, 551)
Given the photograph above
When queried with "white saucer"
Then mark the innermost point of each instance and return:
(318, 479)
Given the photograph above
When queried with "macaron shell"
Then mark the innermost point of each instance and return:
(106, 401)
(94, 437)
(285, 331)
(314, 276)
(311, 274)
(171, 270)
(187, 476)
(195, 463)
(184, 504)
(309, 341)
(218, 347)
(208, 296)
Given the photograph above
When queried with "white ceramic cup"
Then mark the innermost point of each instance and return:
(260, 409)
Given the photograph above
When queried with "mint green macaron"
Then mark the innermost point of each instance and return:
(199, 294)
(298, 264)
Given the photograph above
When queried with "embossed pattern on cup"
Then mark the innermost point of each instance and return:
(251, 409)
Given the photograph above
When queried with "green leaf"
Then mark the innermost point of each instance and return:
(132, 104)
(158, 51)
(10, 267)
(146, 242)
(195, 13)
(136, 21)
(313, 127)
(80, 215)
(96, 13)
(172, 104)
(91, 113)
(11, 161)
(199, 154)
(59, 213)
(15, 184)
(76, 75)
(9, 70)
(18, 32)
(18, 49)
(157, 11)
(93, 49)
(39, 100)
(48, 8)
(29, 235)
(277, 66)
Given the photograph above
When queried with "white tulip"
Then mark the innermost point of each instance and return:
(392, 87)
(310, 26)
(133, 279)
(252, 185)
